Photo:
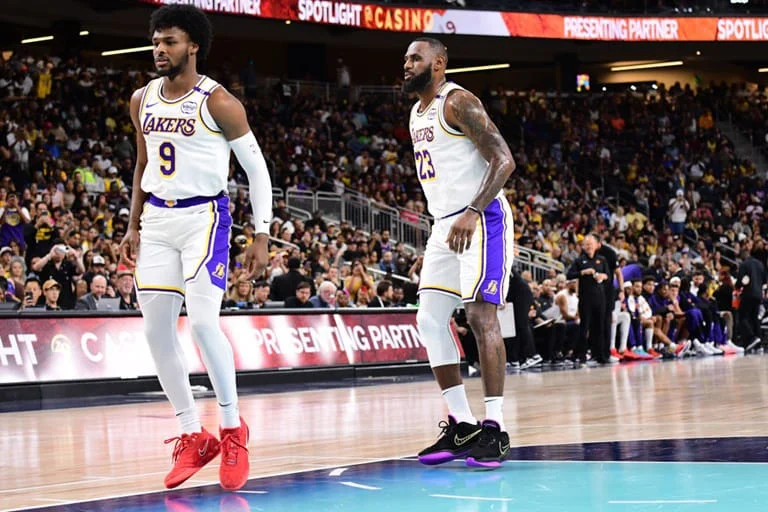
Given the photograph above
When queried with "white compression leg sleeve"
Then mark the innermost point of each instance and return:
(203, 305)
(161, 312)
(623, 320)
(434, 321)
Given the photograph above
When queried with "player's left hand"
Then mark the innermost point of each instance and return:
(460, 236)
(256, 256)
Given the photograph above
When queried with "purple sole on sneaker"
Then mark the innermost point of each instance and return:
(471, 462)
(433, 459)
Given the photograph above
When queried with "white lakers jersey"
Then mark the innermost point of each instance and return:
(448, 165)
(187, 153)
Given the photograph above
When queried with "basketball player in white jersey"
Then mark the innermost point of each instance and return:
(462, 162)
(179, 229)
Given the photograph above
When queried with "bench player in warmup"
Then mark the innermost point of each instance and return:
(462, 162)
(179, 230)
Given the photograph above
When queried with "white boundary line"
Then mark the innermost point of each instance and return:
(361, 486)
(660, 502)
(268, 475)
(475, 498)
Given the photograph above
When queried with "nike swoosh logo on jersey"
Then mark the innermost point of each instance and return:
(458, 441)
(204, 449)
(150, 105)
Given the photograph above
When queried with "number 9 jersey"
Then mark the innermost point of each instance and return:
(448, 165)
(187, 153)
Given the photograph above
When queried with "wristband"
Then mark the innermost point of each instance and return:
(474, 209)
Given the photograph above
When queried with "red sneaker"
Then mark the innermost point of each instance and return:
(190, 454)
(653, 353)
(235, 466)
(615, 353)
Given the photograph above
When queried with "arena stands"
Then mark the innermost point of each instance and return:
(650, 170)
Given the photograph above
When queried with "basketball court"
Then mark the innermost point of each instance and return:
(672, 436)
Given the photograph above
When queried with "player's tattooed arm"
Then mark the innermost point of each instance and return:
(464, 111)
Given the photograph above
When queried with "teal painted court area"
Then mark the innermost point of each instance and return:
(729, 474)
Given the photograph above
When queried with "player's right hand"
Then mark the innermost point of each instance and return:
(129, 247)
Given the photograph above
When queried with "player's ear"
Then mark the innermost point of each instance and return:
(193, 48)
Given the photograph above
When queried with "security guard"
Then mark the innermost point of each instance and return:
(592, 271)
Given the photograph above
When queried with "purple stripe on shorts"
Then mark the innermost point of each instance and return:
(492, 285)
(218, 246)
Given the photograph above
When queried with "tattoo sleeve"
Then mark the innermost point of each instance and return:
(468, 114)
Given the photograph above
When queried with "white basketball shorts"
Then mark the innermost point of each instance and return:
(483, 269)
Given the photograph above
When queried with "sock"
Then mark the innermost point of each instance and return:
(189, 421)
(458, 406)
(649, 337)
(493, 405)
(230, 415)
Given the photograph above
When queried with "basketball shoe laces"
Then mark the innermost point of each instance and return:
(182, 443)
(228, 451)
(445, 428)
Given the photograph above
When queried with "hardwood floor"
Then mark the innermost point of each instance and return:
(66, 455)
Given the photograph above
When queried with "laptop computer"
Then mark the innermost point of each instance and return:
(108, 304)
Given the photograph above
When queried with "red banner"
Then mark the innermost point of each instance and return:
(65, 349)
(492, 23)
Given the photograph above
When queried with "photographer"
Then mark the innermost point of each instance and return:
(678, 212)
(61, 264)
(32, 294)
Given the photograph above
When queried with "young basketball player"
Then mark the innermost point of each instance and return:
(462, 162)
(178, 235)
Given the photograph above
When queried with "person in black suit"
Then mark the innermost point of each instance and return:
(285, 286)
(751, 279)
(300, 298)
(384, 293)
(98, 289)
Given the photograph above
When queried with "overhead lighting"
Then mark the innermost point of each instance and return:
(127, 50)
(470, 69)
(650, 65)
(36, 39)
(762, 70)
(84, 32)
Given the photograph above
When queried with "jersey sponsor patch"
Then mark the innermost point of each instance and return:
(189, 107)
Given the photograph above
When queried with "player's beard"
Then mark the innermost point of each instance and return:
(174, 71)
(418, 83)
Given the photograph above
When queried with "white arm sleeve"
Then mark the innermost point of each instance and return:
(249, 155)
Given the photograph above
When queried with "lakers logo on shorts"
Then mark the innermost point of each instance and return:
(219, 272)
(492, 288)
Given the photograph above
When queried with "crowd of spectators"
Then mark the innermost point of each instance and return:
(648, 170)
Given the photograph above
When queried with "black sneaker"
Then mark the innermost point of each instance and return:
(455, 441)
(491, 449)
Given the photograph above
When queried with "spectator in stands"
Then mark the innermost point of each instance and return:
(362, 299)
(61, 265)
(357, 281)
(125, 289)
(51, 290)
(342, 299)
(567, 301)
(398, 296)
(240, 294)
(97, 267)
(384, 293)
(326, 295)
(285, 286)
(33, 294)
(6, 253)
(678, 212)
(333, 276)
(300, 298)
(16, 277)
(3, 290)
(13, 218)
(260, 294)
(387, 263)
(90, 300)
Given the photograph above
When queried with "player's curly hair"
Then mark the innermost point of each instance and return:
(188, 18)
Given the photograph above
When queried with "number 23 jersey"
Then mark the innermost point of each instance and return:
(187, 153)
(448, 165)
